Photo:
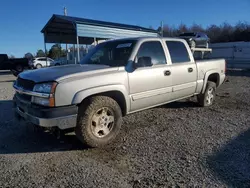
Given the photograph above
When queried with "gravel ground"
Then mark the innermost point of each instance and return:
(175, 145)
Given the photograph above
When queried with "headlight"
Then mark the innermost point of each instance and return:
(48, 88)
(44, 87)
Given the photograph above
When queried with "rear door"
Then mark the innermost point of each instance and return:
(42, 61)
(183, 70)
(150, 85)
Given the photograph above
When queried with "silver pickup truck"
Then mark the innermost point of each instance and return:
(116, 78)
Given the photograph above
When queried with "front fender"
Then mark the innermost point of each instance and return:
(208, 73)
(83, 94)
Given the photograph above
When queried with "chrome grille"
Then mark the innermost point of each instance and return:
(23, 97)
(25, 84)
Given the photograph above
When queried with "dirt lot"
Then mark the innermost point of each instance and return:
(176, 145)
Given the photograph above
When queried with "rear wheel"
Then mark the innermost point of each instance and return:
(19, 68)
(208, 97)
(99, 121)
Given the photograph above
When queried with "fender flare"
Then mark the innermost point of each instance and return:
(207, 74)
(83, 94)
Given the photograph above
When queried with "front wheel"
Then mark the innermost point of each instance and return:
(99, 121)
(14, 72)
(208, 97)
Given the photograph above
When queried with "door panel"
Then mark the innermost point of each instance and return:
(149, 86)
(184, 71)
(204, 42)
(184, 79)
(200, 39)
(151, 82)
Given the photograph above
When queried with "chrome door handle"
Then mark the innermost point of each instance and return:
(167, 73)
(190, 69)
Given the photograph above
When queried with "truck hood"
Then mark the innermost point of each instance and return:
(58, 73)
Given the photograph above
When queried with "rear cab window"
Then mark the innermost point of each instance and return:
(178, 52)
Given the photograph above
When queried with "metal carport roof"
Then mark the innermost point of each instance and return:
(68, 30)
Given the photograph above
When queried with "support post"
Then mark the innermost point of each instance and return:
(74, 53)
(67, 55)
(44, 36)
(78, 49)
(87, 50)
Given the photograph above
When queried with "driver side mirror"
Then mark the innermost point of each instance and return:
(144, 61)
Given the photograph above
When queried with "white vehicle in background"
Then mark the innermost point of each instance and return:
(40, 62)
(60, 61)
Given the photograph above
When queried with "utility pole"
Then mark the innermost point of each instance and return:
(65, 11)
(65, 14)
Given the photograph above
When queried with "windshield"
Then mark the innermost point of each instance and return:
(113, 53)
(187, 34)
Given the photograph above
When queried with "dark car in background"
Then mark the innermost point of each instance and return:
(196, 39)
(15, 65)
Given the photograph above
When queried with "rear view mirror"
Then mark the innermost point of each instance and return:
(144, 62)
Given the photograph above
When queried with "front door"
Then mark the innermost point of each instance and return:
(150, 83)
(184, 71)
(199, 40)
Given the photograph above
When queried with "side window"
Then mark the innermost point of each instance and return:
(178, 52)
(98, 56)
(42, 59)
(203, 35)
(150, 53)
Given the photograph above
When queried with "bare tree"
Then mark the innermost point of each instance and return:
(214, 32)
(11, 56)
(183, 28)
(197, 28)
(222, 33)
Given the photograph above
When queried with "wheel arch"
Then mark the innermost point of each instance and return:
(118, 93)
(212, 76)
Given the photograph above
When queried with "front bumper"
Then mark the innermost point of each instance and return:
(61, 117)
